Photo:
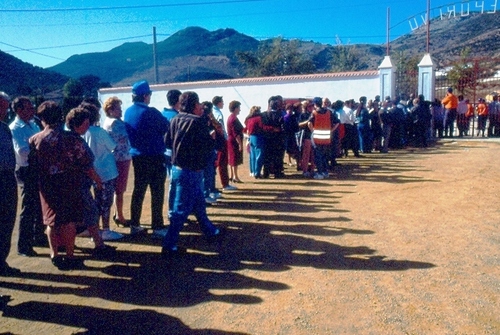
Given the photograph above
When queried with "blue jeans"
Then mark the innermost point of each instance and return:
(209, 175)
(321, 155)
(256, 158)
(365, 138)
(186, 190)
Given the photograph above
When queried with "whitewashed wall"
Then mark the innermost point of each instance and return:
(256, 91)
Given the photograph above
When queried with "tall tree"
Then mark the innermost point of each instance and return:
(346, 58)
(72, 95)
(276, 58)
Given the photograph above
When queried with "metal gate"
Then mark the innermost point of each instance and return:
(473, 78)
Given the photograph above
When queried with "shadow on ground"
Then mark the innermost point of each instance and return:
(269, 229)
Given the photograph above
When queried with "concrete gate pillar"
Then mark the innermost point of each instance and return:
(387, 73)
(426, 78)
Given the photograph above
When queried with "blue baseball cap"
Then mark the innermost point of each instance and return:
(317, 101)
(141, 88)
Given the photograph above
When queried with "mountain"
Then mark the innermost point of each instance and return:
(195, 54)
(190, 54)
(20, 78)
(450, 36)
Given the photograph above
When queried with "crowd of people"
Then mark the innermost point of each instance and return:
(72, 170)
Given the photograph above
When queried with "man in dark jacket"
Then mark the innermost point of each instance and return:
(8, 189)
(422, 116)
(274, 138)
(191, 144)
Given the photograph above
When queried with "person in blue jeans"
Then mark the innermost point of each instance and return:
(209, 190)
(191, 143)
(255, 130)
(364, 129)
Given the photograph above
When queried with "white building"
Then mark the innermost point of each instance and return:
(256, 91)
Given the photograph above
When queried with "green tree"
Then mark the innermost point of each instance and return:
(345, 58)
(72, 95)
(276, 58)
(91, 85)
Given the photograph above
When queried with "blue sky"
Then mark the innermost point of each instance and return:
(45, 33)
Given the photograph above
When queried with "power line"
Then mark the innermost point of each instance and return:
(125, 7)
(37, 53)
(77, 44)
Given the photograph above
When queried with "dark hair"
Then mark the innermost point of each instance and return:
(173, 97)
(338, 104)
(76, 117)
(296, 108)
(233, 105)
(274, 103)
(50, 113)
(217, 100)
(188, 101)
(207, 107)
(93, 101)
(93, 111)
(139, 97)
(19, 102)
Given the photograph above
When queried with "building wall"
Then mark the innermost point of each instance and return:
(256, 91)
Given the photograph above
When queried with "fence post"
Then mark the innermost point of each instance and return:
(387, 74)
(426, 77)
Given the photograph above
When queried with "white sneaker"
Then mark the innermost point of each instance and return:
(210, 200)
(230, 188)
(216, 195)
(326, 174)
(159, 233)
(307, 174)
(84, 233)
(319, 176)
(110, 235)
(135, 230)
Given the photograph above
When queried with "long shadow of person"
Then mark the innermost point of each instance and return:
(98, 321)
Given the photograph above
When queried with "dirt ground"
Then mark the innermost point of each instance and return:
(400, 243)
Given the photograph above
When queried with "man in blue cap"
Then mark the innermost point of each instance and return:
(146, 128)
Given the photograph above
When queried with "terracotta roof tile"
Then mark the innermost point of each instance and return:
(306, 77)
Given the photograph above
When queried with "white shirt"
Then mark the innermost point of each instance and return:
(220, 118)
(348, 117)
(21, 132)
(102, 145)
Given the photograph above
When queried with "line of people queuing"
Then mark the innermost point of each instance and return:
(57, 160)
(314, 133)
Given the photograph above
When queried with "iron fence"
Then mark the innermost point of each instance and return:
(473, 78)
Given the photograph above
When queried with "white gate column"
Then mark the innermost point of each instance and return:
(387, 72)
(426, 78)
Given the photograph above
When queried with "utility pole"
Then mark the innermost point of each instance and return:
(388, 30)
(155, 57)
(428, 25)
